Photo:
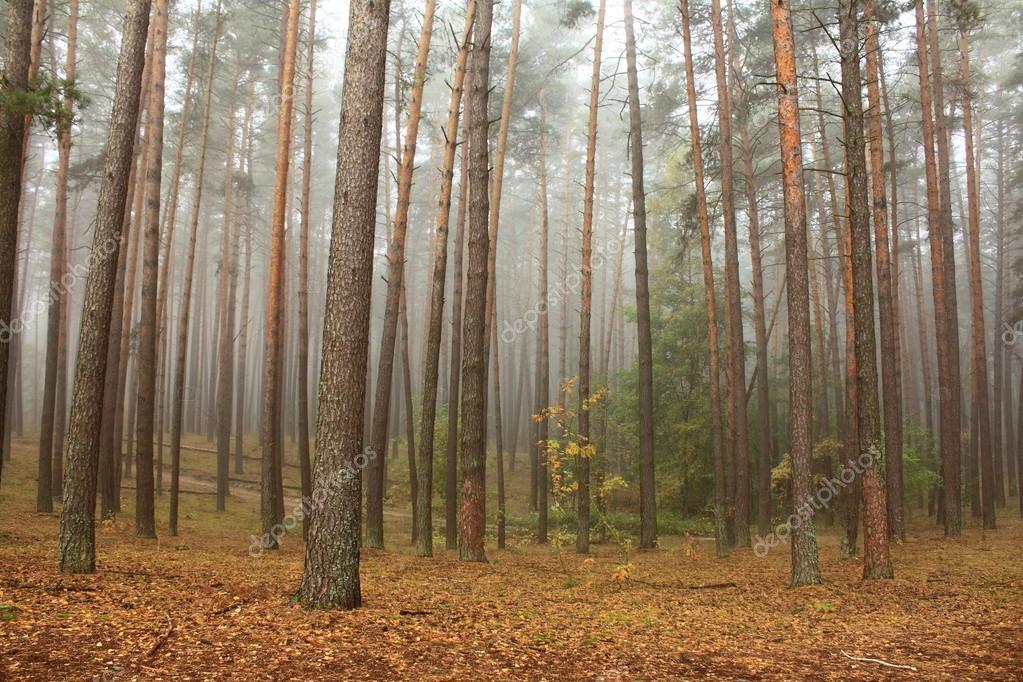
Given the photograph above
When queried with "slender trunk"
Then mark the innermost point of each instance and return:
(735, 413)
(541, 480)
(304, 462)
(49, 464)
(939, 220)
(890, 380)
(498, 434)
(980, 376)
(647, 490)
(181, 349)
(582, 543)
(720, 490)
(394, 278)
(431, 372)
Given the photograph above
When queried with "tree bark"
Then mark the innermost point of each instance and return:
(330, 578)
(805, 561)
(77, 522)
(876, 562)
(723, 544)
(647, 489)
(431, 372)
(735, 413)
(472, 511)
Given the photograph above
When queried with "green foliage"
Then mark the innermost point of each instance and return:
(50, 101)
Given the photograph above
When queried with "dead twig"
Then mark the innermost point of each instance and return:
(162, 639)
(879, 662)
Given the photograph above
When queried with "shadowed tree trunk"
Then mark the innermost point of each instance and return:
(181, 348)
(735, 414)
(271, 488)
(455, 370)
(17, 48)
(890, 380)
(542, 396)
(876, 563)
(723, 544)
(304, 462)
(980, 376)
(472, 510)
(939, 221)
(330, 578)
(431, 372)
(145, 512)
(77, 547)
(49, 481)
(394, 278)
(582, 542)
(647, 490)
(805, 561)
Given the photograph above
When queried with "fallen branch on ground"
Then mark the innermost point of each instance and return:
(162, 639)
(879, 662)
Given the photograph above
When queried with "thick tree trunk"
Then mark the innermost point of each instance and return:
(723, 543)
(472, 510)
(77, 518)
(17, 48)
(330, 578)
(805, 561)
(876, 563)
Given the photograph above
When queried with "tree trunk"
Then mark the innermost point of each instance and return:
(939, 220)
(17, 48)
(472, 511)
(735, 414)
(980, 376)
(890, 379)
(145, 512)
(541, 480)
(181, 348)
(271, 489)
(304, 462)
(805, 561)
(431, 372)
(647, 490)
(394, 278)
(582, 542)
(723, 544)
(49, 464)
(876, 563)
(77, 521)
(330, 578)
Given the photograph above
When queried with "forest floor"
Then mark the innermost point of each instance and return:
(199, 607)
